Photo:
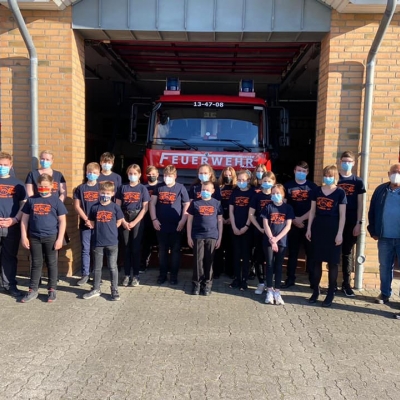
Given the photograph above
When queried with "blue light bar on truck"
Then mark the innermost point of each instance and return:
(246, 88)
(173, 86)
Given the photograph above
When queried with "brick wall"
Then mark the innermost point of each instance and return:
(61, 105)
(340, 104)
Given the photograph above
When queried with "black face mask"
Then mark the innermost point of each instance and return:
(227, 179)
(151, 178)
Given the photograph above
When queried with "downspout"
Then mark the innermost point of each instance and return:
(33, 79)
(366, 134)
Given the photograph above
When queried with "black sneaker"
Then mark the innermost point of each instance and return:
(328, 299)
(125, 281)
(348, 291)
(83, 281)
(52, 296)
(235, 284)
(382, 299)
(31, 295)
(91, 294)
(243, 285)
(161, 280)
(314, 297)
(13, 291)
(287, 284)
(173, 281)
(195, 290)
(115, 295)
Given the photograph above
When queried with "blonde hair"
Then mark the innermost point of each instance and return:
(280, 187)
(170, 170)
(151, 168)
(212, 178)
(135, 167)
(270, 175)
(5, 155)
(221, 177)
(45, 178)
(47, 152)
(254, 180)
(92, 166)
(331, 170)
(107, 186)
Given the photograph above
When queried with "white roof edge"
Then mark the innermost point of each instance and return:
(359, 6)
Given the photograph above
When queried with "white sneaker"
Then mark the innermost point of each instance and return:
(278, 299)
(260, 289)
(269, 298)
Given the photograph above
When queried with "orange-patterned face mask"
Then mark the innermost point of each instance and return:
(44, 191)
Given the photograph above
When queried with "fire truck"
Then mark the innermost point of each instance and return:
(222, 131)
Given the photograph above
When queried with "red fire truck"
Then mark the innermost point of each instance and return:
(190, 130)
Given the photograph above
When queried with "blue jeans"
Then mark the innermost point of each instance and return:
(387, 249)
(87, 242)
(111, 253)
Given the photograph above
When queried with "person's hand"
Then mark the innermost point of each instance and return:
(218, 244)
(25, 243)
(298, 222)
(227, 222)
(157, 225)
(6, 222)
(88, 224)
(236, 230)
(338, 239)
(190, 242)
(308, 236)
(272, 240)
(125, 225)
(243, 230)
(181, 225)
(58, 244)
(274, 247)
(357, 230)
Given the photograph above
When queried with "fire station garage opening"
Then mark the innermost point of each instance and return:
(210, 52)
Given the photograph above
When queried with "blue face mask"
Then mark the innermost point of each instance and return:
(276, 198)
(4, 171)
(105, 198)
(329, 180)
(45, 164)
(106, 166)
(300, 176)
(259, 174)
(266, 185)
(133, 178)
(203, 177)
(242, 185)
(205, 194)
(92, 177)
(347, 166)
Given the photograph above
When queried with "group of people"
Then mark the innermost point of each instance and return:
(242, 218)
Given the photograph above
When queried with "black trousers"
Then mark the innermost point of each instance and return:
(332, 275)
(349, 240)
(169, 241)
(9, 249)
(203, 256)
(259, 256)
(223, 255)
(241, 255)
(133, 243)
(149, 239)
(40, 247)
(274, 265)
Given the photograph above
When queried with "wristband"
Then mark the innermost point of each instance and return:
(155, 219)
(17, 220)
(248, 226)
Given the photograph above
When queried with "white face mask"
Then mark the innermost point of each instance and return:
(395, 179)
(168, 180)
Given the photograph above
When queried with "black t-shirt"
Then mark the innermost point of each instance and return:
(195, 192)
(132, 197)
(58, 178)
(298, 196)
(277, 217)
(328, 205)
(12, 192)
(169, 205)
(43, 215)
(259, 201)
(88, 196)
(105, 219)
(353, 186)
(205, 218)
(226, 192)
(240, 200)
(151, 188)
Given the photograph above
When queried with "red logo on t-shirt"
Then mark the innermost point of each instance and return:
(166, 197)
(104, 216)
(299, 195)
(348, 188)
(90, 196)
(6, 191)
(206, 210)
(242, 201)
(277, 218)
(55, 187)
(263, 203)
(41, 209)
(325, 204)
(131, 197)
(225, 194)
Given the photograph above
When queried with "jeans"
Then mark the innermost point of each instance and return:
(167, 241)
(274, 265)
(387, 249)
(203, 252)
(349, 240)
(133, 242)
(241, 255)
(87, 243)
(111, 253)
(9, 249)
(40, 247)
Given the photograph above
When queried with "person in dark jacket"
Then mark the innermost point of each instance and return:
(384, 226)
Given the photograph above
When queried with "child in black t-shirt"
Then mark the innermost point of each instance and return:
(278, 218)
(205, 173)
(85, 196)
(43, 226)
(107, 161)
(105, 218)
(204, 233)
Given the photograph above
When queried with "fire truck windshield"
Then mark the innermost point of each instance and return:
(211, 125)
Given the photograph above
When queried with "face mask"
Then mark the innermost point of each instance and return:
(205, 194)
(105, 198)
(44, 191)
(266, 185)
(4, 171)
(91, 176)
(133, 178)
(329, 180)
(276, 198)
(242, 185)
(300, 176)
(168, 180)
(259, 174)
(151, 178)
(227, 179)
(347, 166)
(106, 167)
(45, 164)
(203, 177)
(395, 179)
